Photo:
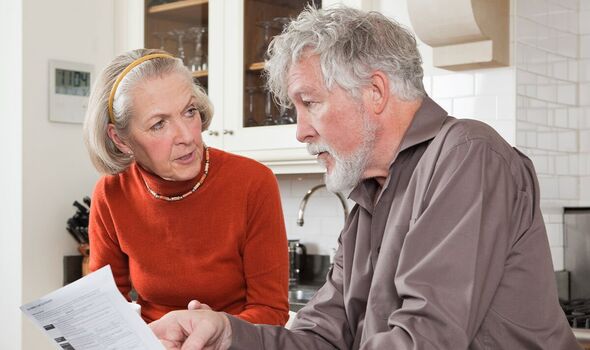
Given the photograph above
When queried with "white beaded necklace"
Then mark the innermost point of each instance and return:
(182, 196)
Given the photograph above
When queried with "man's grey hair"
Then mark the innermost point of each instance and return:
(104, 154)
(352, 44)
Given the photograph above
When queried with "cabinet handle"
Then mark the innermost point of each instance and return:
(213, 133)
(228, 132)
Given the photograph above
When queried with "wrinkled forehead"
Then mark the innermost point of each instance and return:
(305, 74)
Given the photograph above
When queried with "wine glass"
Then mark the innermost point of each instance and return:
(251, 90)
(268, 117)
(286, 116)
(281, 22)
(162, 37)
(198, 61)
(179, 36)
(261, 52)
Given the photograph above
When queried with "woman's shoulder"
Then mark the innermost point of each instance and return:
(108, 186)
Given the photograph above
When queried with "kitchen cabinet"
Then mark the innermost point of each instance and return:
(246, 120)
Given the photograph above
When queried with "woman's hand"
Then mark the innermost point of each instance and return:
(197, 305)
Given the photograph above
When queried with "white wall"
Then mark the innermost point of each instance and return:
(11, 173)
(56, 170)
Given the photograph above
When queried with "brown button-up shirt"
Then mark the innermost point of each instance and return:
(451, 253)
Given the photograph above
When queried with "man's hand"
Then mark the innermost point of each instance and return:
(197, 305)
(193, 330)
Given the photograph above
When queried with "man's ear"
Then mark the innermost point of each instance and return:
(121, 145)
(378, 94)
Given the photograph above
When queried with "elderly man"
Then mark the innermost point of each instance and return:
(445, 247)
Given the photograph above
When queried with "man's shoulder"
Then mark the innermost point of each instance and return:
(456, 132)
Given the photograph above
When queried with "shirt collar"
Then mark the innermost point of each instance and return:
(426, 123)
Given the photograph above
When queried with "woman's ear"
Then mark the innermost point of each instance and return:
(379, 92)
(121, 145)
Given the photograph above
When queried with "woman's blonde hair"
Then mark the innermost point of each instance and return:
(105, 155)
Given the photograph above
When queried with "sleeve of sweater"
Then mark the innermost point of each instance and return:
(265, 255)
(104, 245)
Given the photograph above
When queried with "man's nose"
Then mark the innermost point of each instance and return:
(305, 132)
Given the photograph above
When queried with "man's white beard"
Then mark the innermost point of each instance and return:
(347, 170)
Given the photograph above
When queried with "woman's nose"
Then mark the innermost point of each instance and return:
(184, 132)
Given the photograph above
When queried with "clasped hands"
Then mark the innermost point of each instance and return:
(197, 328)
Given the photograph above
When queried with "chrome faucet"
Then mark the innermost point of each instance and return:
(306, 198)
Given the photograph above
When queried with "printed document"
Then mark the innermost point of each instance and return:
(91, 314)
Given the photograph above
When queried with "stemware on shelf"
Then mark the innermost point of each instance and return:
(162, 37)
(281, 22)
(199, 61)
(251, 90)
(268, 117)
(266, 27)
(286, 116)
(179, 36)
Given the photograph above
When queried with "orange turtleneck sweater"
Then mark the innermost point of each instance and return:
(224, 245)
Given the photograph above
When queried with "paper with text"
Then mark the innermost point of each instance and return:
(91, 314)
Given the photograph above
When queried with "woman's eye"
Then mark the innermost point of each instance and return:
(159, 125)
(191, 112)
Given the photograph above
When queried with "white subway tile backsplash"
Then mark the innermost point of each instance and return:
(567, 44)
(495, 81)
(574, 164)
(584, 70)
(520, 138)
(549, 187)
(584, 21)
(478, 107)
(584, 94)
(567, 93)
(585, 46)
(452, 85)
(427, 82)
(446, 104)
(554, 234)
(557, 257)
(559, 70)
(568, 187)
(560, 117)
(506, 107)
(585, 187)
(541, 163)
(584, 141)
(573, 117)
(562, 165)
(531, 139)
(547, 92)
(567, 141)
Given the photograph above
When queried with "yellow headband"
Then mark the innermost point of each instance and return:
(124, 73)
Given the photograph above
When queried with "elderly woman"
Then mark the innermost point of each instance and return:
(175, 219)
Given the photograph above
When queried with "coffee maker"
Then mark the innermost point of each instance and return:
(297, 254)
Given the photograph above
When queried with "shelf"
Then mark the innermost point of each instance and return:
(256, 66)
(184, 10)
(200, 74)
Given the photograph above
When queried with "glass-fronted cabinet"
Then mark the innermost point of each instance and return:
(224, 43)
(264, 19)
(181, 28)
